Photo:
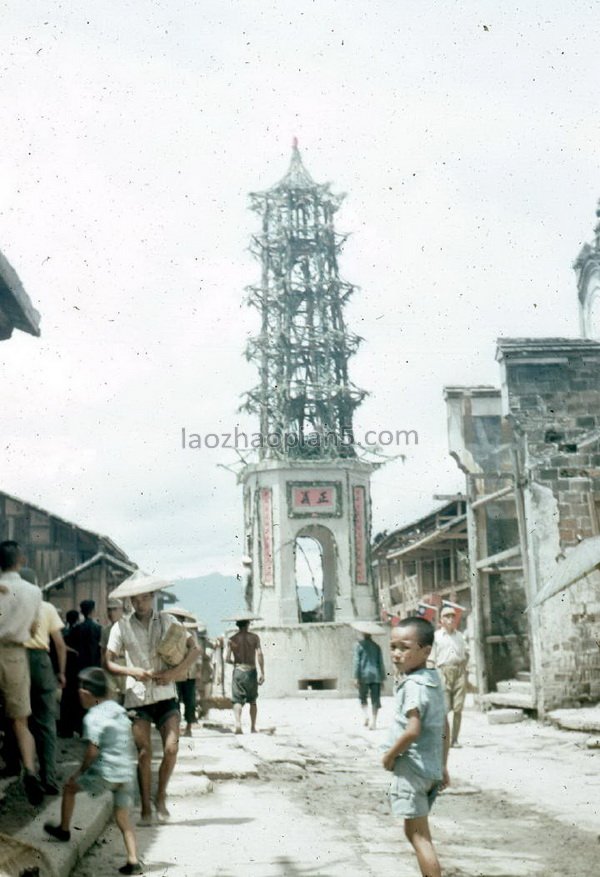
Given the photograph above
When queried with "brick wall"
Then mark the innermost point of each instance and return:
(551, 390)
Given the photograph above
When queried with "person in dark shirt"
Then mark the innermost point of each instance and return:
(368, 670)
(87, 635)
(70, 712)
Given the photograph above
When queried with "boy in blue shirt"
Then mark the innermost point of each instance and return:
(419, 738)
(108, 763)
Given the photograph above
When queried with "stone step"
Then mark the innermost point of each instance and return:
(505, 717)
(508, 699)
(524, 676)
(514, 686)
(583, 719)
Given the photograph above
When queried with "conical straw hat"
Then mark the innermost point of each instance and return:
(179, 612)
(243, 615)
(139, 583)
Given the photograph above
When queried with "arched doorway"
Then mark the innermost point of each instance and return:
(315, 574)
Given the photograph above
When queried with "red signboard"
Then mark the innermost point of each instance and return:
(310, 499)
(320, 499)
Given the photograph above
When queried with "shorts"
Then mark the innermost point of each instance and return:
(15, 681)
(411, 795)
(372, 688)
(454, 680)
(94, 784)
(156, 713)
(244, 686)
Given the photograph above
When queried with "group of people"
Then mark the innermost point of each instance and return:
(124, 684)
(56, 653)
(449, 655)
(431, 682)
(135, 688)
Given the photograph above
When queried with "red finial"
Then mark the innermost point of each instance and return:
(295, 143)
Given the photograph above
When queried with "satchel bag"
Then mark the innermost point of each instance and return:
(173, 646)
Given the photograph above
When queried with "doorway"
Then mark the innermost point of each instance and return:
(315, 574)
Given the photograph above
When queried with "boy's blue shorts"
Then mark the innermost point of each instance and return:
(411, 795)
(95, 784)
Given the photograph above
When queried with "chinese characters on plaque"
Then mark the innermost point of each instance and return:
(307, 499)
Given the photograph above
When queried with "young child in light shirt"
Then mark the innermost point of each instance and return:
(108, 763)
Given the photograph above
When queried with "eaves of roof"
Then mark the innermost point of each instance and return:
(15, 304)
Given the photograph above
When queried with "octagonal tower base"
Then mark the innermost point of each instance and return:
(328, 501)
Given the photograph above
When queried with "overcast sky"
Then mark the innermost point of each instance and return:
(466, 138)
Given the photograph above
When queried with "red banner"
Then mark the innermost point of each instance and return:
(266, 542)
(360, 542)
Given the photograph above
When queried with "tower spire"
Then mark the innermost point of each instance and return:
(297, 176)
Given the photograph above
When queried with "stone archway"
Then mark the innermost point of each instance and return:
(315, 569)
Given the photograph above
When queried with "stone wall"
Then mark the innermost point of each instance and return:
(312, 660)
(551, 392)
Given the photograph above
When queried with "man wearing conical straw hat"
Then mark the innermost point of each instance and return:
(368, 670)
(150, 691)
(244, 651)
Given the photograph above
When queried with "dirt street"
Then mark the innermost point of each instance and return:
(523, 802)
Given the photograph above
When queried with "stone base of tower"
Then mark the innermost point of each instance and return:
(327, 501)
(311, 659)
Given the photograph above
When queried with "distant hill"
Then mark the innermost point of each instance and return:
(211, 598)
(309, 600)
(214, 597)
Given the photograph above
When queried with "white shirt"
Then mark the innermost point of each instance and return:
(137, 643)
(18, 608)
(449, 649)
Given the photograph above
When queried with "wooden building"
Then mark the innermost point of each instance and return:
(481, 440)
(71, 563)
(423, 562)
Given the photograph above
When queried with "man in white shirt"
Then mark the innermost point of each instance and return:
(114, 610)
(450, 656)
(150, 693)
(19, 606)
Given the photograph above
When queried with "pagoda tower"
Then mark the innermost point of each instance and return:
(305, 400)
(308, 481)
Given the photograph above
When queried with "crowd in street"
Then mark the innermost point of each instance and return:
(117, 682)
(113, 684)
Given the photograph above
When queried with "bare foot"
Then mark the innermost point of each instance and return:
(238, 731)
(145, 820)
(162, 814)
(253, 730)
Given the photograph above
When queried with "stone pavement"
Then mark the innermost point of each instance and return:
(310, 800)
